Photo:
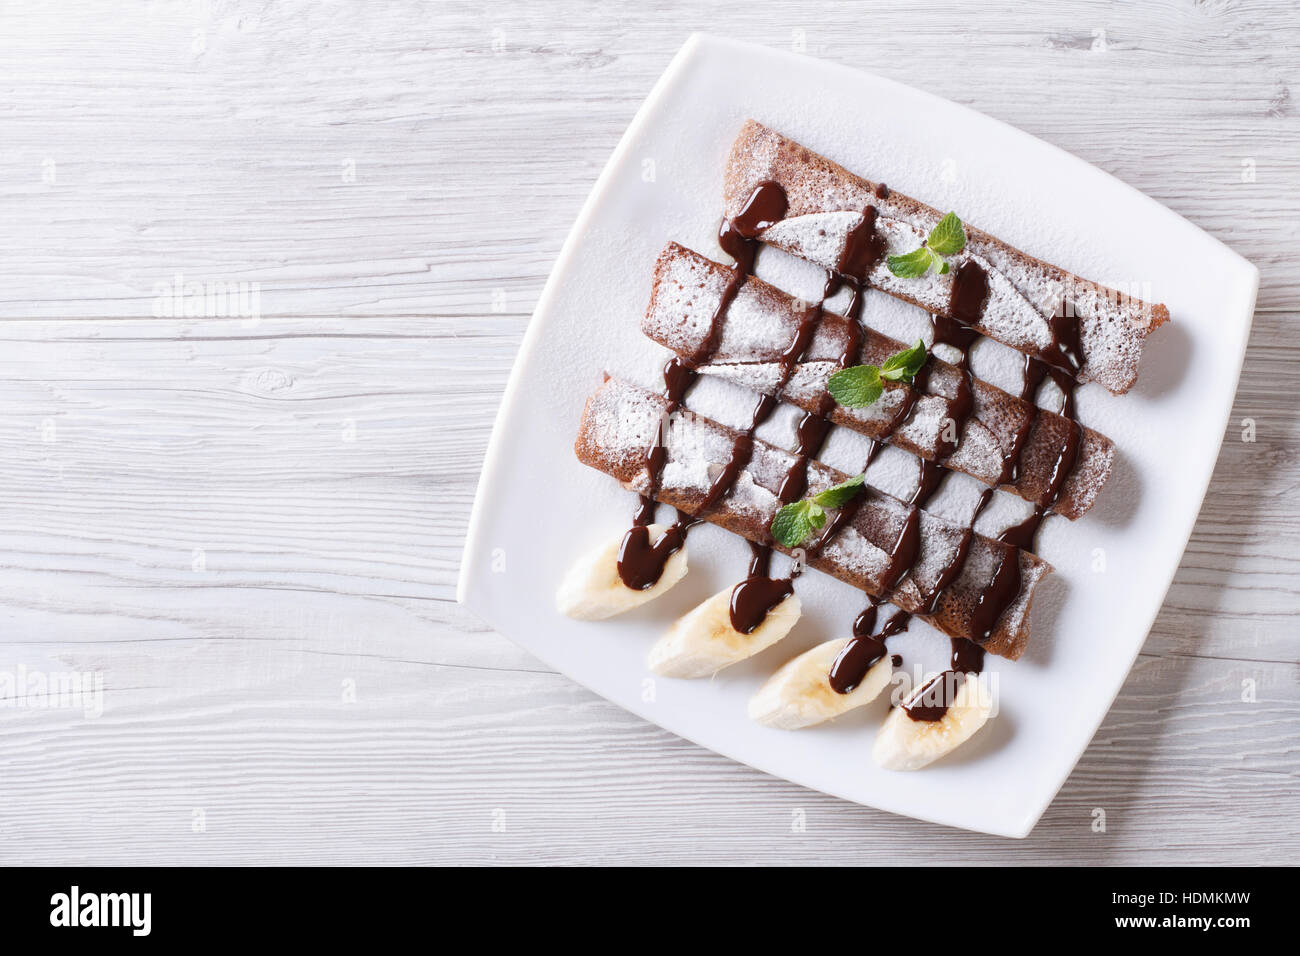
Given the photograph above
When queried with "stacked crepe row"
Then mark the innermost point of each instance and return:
(621, 421)
(759, 325)
(826, 203)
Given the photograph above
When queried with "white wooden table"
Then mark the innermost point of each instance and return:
(251, 530)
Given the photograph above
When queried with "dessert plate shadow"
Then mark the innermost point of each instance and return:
(537, 509)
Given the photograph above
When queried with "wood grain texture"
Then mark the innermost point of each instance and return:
(252, 530)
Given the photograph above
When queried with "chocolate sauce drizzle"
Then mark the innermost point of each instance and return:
(1062, 361)
(640, 564)
(861, 250)
(755, 596)
(930, 702)
(867, 646)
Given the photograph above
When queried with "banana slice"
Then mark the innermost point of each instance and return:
(800, 693)
(593, 591)
(703, 641)
(907, 744)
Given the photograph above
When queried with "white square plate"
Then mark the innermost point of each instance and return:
(537, 509)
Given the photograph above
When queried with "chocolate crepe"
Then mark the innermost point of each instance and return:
(827, 203)
(621, 421)
(760, 324)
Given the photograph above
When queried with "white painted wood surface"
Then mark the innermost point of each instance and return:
(252, 530)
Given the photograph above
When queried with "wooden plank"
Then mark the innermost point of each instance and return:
(430, 763)
(143, 447)
(252, 530)
(187, 516)
(428, 159)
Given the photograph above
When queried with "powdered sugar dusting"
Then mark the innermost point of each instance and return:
(755, 336)
(697, 452)
(762, 377)
(978, 454)
(750, 498)
(686, 295)
(928, 418)
(691, 441)
(858, 554)
(753, 326)
(639, 414)
(819, 237)
(1024, 291)
(1009, 315)
(687, 475)
(899, 237)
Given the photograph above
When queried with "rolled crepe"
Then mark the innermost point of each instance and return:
(621, 421)
(762, 321)
(827, 203)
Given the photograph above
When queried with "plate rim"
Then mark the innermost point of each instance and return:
(699, 44)
(532, 334)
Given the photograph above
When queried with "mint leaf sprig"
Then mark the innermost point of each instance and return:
(797, 520)
(947, 238)
(859, 386)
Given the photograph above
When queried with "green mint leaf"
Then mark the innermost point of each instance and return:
(911, 265)
(794, 522)
(856, 387)
(902, 366)
(839, 495)
(799, 519)
(948, 236)
(791, 526)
